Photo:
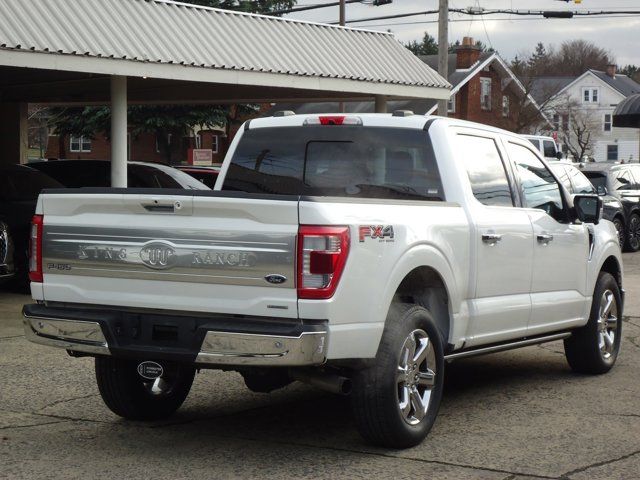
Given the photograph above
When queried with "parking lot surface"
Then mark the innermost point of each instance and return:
(512, 415)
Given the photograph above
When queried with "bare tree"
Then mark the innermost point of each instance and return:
(576, 126)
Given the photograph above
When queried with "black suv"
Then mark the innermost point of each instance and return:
(19, 190)
(577, 183)
(623, 182)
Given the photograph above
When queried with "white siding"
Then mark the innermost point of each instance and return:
(627, 139)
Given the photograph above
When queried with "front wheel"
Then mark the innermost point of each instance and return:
(395, 402)
(594, 348)
(131, 396)
(633, 233)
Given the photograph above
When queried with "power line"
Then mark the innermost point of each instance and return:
(312, 6)
(536, 19)
(482, 12)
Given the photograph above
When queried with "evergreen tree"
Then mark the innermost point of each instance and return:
(428, 45)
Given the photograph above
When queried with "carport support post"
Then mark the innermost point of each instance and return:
(119, 131)
(13, 133)
(381, 104)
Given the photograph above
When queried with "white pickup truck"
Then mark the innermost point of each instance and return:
(355, 253)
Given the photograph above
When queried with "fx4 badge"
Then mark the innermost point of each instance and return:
(380, 232)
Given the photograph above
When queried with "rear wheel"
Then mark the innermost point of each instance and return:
(633, 233)
(395, 402)
(131, 396)
(618, 223)
(594, 348)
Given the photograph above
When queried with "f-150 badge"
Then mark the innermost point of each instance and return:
(380, 232)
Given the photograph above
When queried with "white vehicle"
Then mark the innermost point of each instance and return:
(355, 253)
(547, 146)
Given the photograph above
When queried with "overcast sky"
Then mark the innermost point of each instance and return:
(510, 35)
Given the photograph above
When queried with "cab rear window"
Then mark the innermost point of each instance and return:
(344, 161)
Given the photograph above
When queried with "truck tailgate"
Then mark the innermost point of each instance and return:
(197, 252)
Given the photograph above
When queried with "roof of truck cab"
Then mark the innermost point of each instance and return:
(374, 120)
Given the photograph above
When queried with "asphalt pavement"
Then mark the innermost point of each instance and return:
(513, 415)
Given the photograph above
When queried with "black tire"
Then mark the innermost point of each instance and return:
(378, 390)
(632, 243)
(619, 224)
(594, 348)
(129, 395)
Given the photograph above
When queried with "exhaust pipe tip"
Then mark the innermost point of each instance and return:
(329, 382)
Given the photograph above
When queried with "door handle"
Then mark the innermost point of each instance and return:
(491, 238)
(545, 238)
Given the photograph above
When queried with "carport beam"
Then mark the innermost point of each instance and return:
(119, 131)
(381, 104)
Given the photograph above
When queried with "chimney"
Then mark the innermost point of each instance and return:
(611, 71)
(467, 54)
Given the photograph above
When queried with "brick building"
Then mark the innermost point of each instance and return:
(484, 90)
(142, 148)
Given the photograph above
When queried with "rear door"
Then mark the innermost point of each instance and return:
(561, 249)
(502, 238)
(191, 252)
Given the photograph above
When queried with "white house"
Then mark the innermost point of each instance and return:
(590, 100)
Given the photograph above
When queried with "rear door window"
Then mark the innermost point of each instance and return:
(343, 161)
(485, 169)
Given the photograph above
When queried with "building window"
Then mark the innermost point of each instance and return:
(612, 153)
(607, 122)
(485, 93)
(565, 122)
(505, 106)
(451, 104)
(556, 122)
(79, 143)
(214, 143)
(158, 143)
(590, 95)
(198, 138)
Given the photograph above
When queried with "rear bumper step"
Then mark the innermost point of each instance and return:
(204, 341)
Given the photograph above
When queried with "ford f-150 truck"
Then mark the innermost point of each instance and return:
(355, 253)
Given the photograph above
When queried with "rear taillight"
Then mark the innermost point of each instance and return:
(35, 249)
(322, 254)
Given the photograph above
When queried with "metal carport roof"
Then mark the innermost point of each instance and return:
(160, 39)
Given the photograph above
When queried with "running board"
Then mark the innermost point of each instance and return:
(506, 346)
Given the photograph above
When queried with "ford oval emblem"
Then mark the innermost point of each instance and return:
(150, 370)
(275, 278)
(158, 255)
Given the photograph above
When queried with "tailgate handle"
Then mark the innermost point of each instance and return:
(162, 207)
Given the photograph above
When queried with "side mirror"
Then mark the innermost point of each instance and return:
(588, 208)
(559, 155)
(602, 190)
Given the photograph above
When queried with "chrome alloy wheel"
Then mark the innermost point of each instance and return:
(607, 324)
(416, 376)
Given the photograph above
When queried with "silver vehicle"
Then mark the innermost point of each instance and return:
(357, 253)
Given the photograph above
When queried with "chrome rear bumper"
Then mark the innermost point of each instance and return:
(222, 348)
(217, 348)
(76, 335)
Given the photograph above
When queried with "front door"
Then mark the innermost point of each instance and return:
(560, 252)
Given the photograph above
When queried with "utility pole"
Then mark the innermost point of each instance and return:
(443, 50)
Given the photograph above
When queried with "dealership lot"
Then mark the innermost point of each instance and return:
(519, 414)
